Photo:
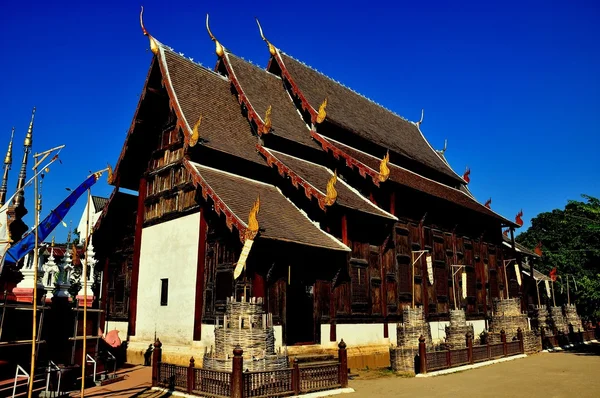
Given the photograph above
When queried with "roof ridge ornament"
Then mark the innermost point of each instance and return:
(331, 195)
(384, 170)
(421, 120)
(322, 112)
(267, 124)
(220, 50)
(272, 48)
(153, 41)
(467, 175)
(195, 133)
(443, 150)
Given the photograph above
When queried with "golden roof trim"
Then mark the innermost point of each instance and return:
(384, 170)
(252, 229)
(322, 114)
(153, 42)
(220, 50)
(267, 125)
(195, 133)
(272, 49)
(331, 195)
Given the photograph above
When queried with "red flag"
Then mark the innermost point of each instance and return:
(466, 176)
(488, 203)
(518, 219)
(538, 249)
(505, 232)
(553, 274)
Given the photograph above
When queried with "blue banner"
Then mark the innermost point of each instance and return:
(27, 244)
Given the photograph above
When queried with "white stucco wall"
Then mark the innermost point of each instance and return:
(122, 327)
(358, 334)
(438, 329)
(168, 250)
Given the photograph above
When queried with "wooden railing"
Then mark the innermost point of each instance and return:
(256, 384)
(437, 360)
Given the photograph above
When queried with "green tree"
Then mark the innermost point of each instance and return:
(570, 239)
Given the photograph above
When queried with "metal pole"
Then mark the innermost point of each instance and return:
(87, 239)
(412, 277)
(453, 287)
(553, 298)
(35, 276)
(506, 277)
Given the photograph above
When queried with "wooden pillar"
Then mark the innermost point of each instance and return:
(190, 376)
(296, 377)
(137, 246)
(343, 358)
(503, 339)
(521, 342)
(258, 286)
(422, 355)
(156, 359)
(237, 373)
(424, 278)
(103, 305)
(470, 347)
(199, 297)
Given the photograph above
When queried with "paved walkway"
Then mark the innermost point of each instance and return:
(559, 374)
(573, 373)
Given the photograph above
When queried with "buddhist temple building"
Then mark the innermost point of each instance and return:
(336, 212)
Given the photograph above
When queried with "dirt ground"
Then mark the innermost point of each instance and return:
(560, 374)
(573, 373)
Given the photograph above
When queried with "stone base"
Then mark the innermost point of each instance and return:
(403, 359)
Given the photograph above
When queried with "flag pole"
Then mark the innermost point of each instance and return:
(35, 277)
(36, 221)
(87, 238)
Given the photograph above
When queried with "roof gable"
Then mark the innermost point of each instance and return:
(202, 93)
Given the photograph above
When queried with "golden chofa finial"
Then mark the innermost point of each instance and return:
(322, 113)
(195, 133)
(272, 49)
(331, 195)
(267, 124)
(220, 50)
(110, 174)
(29, 137)
(153, 42)
(384, 170)
(8, 158)
(252, 229)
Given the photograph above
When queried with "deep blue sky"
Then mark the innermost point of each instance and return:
(514, 87)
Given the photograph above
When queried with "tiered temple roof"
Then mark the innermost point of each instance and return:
(229, 109)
